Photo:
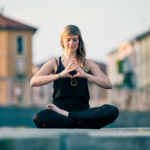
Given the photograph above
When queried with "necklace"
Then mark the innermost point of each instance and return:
(72, 73)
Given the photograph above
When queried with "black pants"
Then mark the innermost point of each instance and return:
(92, 118)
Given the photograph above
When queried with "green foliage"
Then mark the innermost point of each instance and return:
(118, 86)
(7, 144)
(119, 64)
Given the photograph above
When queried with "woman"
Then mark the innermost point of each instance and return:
(70, 72)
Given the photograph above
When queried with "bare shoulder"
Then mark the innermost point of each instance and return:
(47, 68)
(90, 63)
(50, 63)
(94, 68)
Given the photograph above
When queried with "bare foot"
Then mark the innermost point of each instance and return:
(58, 110)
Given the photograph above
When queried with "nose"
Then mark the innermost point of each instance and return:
(71, 42)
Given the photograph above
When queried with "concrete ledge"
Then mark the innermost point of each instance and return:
(75, 139)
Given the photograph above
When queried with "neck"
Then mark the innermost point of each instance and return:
(70, 56)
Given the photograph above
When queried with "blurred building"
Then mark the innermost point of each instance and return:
(41, 95)
(98, 95)
(127, 68)
(15, 62)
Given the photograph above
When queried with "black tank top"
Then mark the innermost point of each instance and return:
(64, 90)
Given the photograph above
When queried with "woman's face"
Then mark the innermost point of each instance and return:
(71, 43)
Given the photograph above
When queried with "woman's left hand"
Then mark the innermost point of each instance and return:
(80, 71)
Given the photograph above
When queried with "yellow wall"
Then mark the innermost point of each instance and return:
(3, 53)
(3, 93)
(8, 57)
(8, 49)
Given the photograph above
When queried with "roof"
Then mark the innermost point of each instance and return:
(138, 37)
(9, 24)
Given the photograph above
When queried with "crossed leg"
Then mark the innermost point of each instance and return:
(96, 117)
(93, 118)
(50, 119)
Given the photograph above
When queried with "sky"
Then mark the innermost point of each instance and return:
(103, 23)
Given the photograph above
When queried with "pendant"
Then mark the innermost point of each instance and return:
(74, 81)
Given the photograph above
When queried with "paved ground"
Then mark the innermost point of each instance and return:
(32, 132)
(75, 139)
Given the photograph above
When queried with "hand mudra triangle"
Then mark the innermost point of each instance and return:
(74, 71)
(73, 81)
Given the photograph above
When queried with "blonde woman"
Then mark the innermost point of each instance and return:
(70, 72)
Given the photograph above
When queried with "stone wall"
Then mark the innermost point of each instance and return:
(17, 117)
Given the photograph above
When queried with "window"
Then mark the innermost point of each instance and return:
(19, 45)
(135, 59)
(20, 68)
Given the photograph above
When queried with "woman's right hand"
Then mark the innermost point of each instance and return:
(65, 72)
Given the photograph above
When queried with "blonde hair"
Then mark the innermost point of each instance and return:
(81, 52)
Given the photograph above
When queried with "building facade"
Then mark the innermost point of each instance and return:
(128, 70)
(15, 62)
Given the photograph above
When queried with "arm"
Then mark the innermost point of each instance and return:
(97, 76)
(44, 75)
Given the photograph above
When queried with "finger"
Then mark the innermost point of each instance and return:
(48, 106)
(68, 75)
(69, 64)
(71, 70)
(76, 75)
(71, 61)
(78, 70)
(76, 63)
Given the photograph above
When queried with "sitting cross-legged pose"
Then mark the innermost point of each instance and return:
(70, 72)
